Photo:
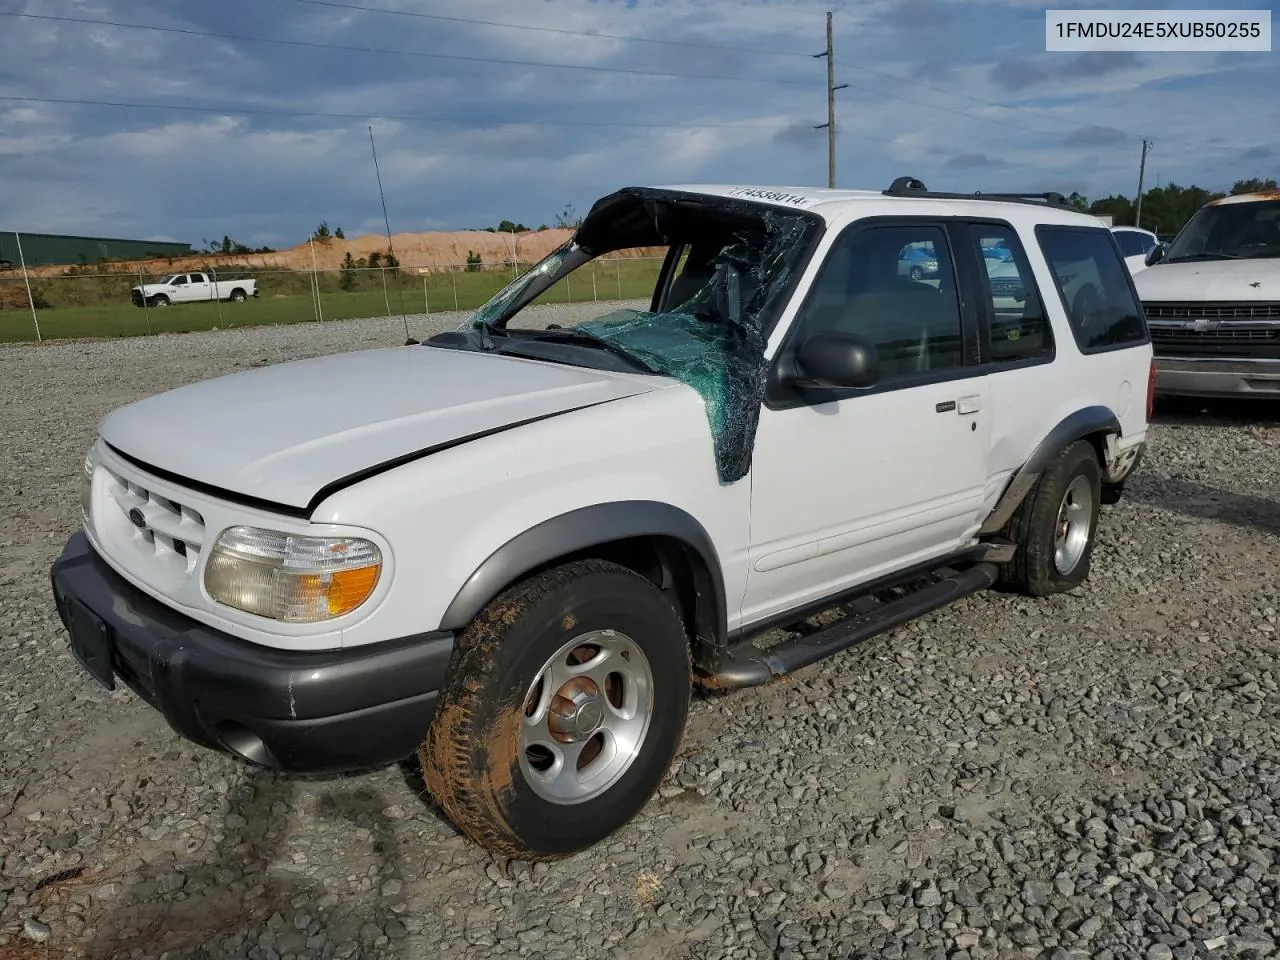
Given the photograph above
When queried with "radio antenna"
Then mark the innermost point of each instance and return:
(408, 340)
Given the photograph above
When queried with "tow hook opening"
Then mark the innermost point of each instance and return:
(246, 744)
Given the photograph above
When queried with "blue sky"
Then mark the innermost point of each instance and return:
(977, 105)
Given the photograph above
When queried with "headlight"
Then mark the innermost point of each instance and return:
(86, 486)
(291, 578)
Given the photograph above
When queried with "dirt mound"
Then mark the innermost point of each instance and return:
(433, 251)
(13, 296)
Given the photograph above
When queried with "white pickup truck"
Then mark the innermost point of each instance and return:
(1212, 301)
(191, 287)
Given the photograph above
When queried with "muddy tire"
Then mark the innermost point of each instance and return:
(1056, 525)
(564, 705)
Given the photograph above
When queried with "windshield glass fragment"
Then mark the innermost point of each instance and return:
(707, 325)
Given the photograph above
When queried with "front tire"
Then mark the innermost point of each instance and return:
(564, 705)
(1055, 527)
(159, 300)
(917, 273)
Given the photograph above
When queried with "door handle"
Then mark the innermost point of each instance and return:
(964, 405)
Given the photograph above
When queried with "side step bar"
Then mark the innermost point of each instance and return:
(746, 665)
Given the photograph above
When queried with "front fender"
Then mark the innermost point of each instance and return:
(580, 530)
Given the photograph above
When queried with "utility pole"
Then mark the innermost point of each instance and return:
(830, 125)
(1142, 171)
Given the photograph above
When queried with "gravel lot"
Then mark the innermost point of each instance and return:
(1095, 775)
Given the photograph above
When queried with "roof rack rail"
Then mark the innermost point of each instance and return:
(911, 187)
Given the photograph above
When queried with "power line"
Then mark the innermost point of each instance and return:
(423, 118)
(564, 66)
(627, 38)
(348, 48)
(632, 38)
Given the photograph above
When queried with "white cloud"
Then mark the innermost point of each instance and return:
(100, 169)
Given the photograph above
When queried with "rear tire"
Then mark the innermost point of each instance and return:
(237, 296)
(565, 702)
(1055, 527)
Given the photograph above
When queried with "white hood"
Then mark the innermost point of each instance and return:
(1210, 280)
(281, 433)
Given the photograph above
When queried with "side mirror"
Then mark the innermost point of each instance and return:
(838, 360)
(1155, 255)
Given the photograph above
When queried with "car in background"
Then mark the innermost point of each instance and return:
(918, 261)
(193, 287)
(1212, 301)
(1135, 244)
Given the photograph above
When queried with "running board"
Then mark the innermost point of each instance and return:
(746, 665)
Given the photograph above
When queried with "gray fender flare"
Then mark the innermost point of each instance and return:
(589, 527)
(1083, 423)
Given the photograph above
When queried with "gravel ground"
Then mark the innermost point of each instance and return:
(1093, 775)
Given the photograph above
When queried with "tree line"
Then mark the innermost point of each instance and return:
(1166, 208)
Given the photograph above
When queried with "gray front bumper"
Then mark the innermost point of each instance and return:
(1218, 378)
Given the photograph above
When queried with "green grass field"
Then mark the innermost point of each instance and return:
(97, 307)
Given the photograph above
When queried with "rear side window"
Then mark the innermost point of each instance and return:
(1017, 326)
(1093, 282)
(1134, 244)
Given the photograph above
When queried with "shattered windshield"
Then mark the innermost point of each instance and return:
(708, 322)
(1230, 231)
(544, 273)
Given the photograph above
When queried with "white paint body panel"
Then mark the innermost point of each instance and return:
(1211, 280)
(281, 433)
(838, 494)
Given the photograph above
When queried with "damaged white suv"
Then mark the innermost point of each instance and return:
(514, 551)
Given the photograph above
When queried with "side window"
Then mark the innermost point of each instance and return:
(1132, 243)
(1019, 328)
(197, 278)
(1094, 285)
(894, 286)
(180, 280)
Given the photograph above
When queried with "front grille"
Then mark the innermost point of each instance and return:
(169, 532)
(1183, 335)
(1007, 288)
(1229, 311)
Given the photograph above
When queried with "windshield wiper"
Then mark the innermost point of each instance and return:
(580, 338)
(487, 331)
(1203, 256)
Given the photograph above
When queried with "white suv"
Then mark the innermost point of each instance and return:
(515, 550)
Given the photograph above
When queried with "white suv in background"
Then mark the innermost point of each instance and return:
(1136, 244)
(1213, 301)
(515, 550)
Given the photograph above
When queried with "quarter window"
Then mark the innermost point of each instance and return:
(895, 287)
(1019, 328)
(1094, 285)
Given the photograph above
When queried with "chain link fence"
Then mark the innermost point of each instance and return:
(80, 302)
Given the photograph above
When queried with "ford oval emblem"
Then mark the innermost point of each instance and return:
(137, 519)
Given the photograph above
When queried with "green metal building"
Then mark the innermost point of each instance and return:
(48, 249)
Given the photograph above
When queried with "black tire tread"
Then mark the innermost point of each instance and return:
(1031, 571)
(469, 794)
